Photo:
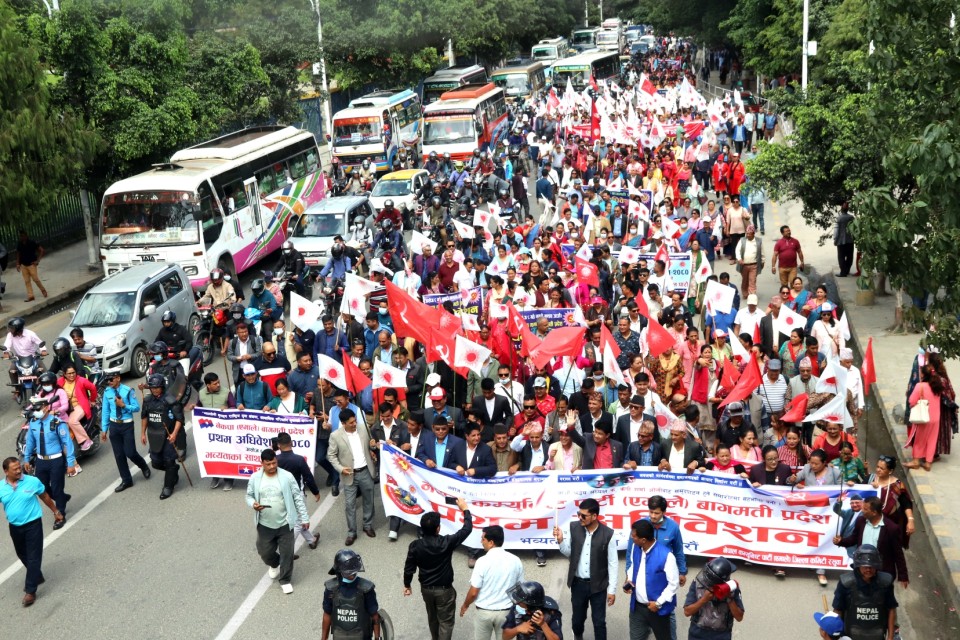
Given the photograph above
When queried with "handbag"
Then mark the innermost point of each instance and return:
(920, 412)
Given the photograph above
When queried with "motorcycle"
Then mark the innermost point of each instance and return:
(203, 335)
(331, 296)
(90, 425)
(29, 369)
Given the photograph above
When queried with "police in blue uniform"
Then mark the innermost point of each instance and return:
(49, 440)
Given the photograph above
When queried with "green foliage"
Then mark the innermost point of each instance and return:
(43, 151)
(700, 19)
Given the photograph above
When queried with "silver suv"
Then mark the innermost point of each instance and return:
(120, 316)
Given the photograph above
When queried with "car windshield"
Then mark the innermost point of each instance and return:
(513, 84)
(105, 309)
(354, 131)
(448, 131)
(150, 217)
(323, 225)
(391, 188)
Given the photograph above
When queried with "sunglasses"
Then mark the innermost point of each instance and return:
(529, 406)
(583, 516)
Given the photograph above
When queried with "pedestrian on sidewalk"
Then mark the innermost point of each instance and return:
(843, 240)
(18, 493)
(749, 257)
(923, 435)
(29, 254)
(788, 253)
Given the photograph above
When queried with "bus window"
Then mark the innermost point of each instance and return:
(313, 160)
(298, 166)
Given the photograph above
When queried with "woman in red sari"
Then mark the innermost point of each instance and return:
(923, 435)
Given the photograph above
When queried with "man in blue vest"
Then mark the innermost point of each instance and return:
(653, 584)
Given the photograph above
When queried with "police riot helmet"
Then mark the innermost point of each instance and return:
(61, 347)
(529, 593)
(287, 246)
(216, 275)
(715, 572)
(169, 316)
(258, 286)
(336, 250)
(436, 201)
(347, 561)
(386, 225)
(867, 555)
(156, 381)
(47, 377)
(159, 347)
(388, 204)
(16, 325)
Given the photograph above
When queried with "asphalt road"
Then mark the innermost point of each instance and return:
(130, 566)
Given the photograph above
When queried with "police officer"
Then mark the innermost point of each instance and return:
(714, 601)
(49, 440)
(864, 598)
(162, 425)
(175, 381)
(350, 608)
(535, 616)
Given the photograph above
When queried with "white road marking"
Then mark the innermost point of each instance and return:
(249, 604)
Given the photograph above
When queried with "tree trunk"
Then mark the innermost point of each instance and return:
(93, 261)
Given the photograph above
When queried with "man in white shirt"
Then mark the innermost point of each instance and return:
(746, 320)
(509, 389)
(654, 567)
(493, 575)
(854, 380)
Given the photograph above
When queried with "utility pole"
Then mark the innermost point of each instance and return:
(586, 13)
(327, 118)
(806, 45)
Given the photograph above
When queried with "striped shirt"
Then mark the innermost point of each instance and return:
(773, 393)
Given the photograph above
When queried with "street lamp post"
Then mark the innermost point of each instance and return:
(327, 119)
(806, 44)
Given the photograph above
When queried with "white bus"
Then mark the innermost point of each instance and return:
(373, 126)
(451, 78)
(598, 65)
(468, 118)
(223, 203)
(584, 39)
(550, 49)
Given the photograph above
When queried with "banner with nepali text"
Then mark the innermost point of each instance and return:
(718, 514)
(468, 301)
(229, 442)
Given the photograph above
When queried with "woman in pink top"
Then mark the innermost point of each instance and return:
(747, 450)
(923, 435)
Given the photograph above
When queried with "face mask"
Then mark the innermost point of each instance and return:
(384, 312)
(348, 580)
(48, 388)
(38, 415)
(598, 378)
(286, 252)
(633, 231)
(237, 316)
(157, 358)
(278, 332)
(683, 225)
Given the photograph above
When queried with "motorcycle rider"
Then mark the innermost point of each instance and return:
(63, 355)
(350, 607)
(388, 239)
(485, 167)
(235, 318)
(368, 173)
(48, 440)
(389, 213)
(219, 294)
(474, 160)
(336, 171)
(86, 351)
(436, 214)
(446, 165)
(162, 426)
(354, 184)
(354, 248)
(432, 165)
(339, 265)
(506, 203)
(21, 342)
(175, 381)
(177, 338)
(264, 301)
(291, 262)
(457, 176)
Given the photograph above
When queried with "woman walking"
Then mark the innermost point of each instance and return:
(923, 435)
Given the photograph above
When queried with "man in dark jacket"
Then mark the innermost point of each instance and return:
(436, 449)
(300, 470)
(472, 456)
(888, 539)
(431, 556)
(490, 408)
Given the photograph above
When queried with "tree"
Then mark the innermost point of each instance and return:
(43, 151)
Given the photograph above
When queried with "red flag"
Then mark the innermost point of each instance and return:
(440, 346)
(528, 341)
(647, 86)
(642, 306)
(730, 375)
(747, 384)
(658, 338)
(560, 342)
(587, 272)
(356, 381)
(552, 100)
(663, 254)
(594, 116)
(411, 318)
(593, 85)
(515, 322)
(607, 338)
(693, 129)
(796, 411)
(868, 369)
(756, 333)
(500, 343)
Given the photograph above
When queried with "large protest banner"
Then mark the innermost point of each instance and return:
(556, 317)
(229, 443)
(468, 301)
(718, 514)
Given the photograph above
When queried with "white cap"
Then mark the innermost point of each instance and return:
(752, 299)
(247, 368)
(433, 379)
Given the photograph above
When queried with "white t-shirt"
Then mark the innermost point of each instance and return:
(356, 448)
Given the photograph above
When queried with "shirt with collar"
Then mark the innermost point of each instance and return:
(871, 532)
(673, 579)
(20, 503)
(495, 572)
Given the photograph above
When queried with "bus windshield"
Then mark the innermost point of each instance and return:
(578, 77)
(448, 131)
(150, 217)
(105, 309)
(515, 84)
(583, 37)
(319, 226)
(354, 131)
(545, 53)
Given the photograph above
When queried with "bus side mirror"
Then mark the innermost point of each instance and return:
(478, 127)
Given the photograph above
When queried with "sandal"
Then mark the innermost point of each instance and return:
(926, 466)
(913, 464)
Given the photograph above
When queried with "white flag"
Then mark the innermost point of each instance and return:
(719, 296)
(834, 411)
(737, 348)
(610, 367)
(469, 322)
(465, 230)
(303, 312)
(788, 320)
(354, 305)
(360, 286)
(833, 378)
(703, 272)
(498, 310)
(469, 354)
(418, 241)
(385, 376)
(481, 218)
(628, 255)
(331, 371)
(844, 327)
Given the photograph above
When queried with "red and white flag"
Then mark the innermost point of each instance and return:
(362, 286)
(331, 371)
(670, 228)
(465, 230)
(833, 378)
(303, 312)
(469, 354)
(663, 416)
(834, 411)
(469, 322)
(418, 241)
(720, 297)
(663, 255)
(628, 255)
(610, 367)
(587, 272)
(703, 272)
(868, 369)
(739, 352)
(498, 310)
(585, 252)
(353, 304)
(481, 218)
(787, 320)
(387, 377)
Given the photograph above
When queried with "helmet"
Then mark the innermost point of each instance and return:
(47, 377)
(388, 204)
(17, 324)
(433, 155)
(155, 380)
(258, 286)
(347, 561)
(459, 165)
(503, 193)
(169, 316)
(386, 225)
(468, 180)
(867, 555)
(529, 593)
(476, 153)
(366, 164)
(159, 347)
(61, 347)
(717, 571)
(287, 246)
(436, 201)
(336, 250)
(446, 156)
(216, 275)
(236, 310)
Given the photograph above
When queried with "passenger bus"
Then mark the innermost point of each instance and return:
(223, 203)
(520, 81)
(451, 78)
(471, 117)
(374, 126)
(610, 40)
(584, 39)
(550, 49)
(599, 65)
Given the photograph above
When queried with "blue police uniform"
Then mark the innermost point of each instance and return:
(49, 440)
(118, 423)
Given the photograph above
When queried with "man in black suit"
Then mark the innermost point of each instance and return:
(601, 450)
(579, 400)
(628, 425)
(415, 377)
(490, 409)
(595, 415)
(888, 539)
(681, 448)
(645, 451)
(473, 457)
(439, 408)
(770, 337)
(437, 449)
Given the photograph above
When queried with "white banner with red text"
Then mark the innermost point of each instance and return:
(229, 442)
(718, 514)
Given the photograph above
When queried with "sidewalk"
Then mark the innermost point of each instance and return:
(64, 273)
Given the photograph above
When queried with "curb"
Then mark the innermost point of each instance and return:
(52, 301)
(945, 544)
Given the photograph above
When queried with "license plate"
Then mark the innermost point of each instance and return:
(148, 258)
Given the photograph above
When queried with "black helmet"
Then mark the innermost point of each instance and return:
(155, 381)
(388, 204)
(169, 316)
(17, 324)
(433, 155)
(61, 347)
(867, 555)
(336, 250)
(715, 572)
(436, 201)
(529, 593)
(159, 347)
(386, 225)
(258, 286)
(476, 153)
(345, 562)
(216, 275)
(236, 307)
(503, 193)
(287, 246)
(446, 156)
(47, 377)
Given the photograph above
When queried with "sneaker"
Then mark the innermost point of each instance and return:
(214, 483)
(287, 588)
(273, 572)
(822, 579)
(228, 484)
(392, 536)
(86, 445)
(541, 561)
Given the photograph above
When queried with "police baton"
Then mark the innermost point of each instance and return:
(180, 457)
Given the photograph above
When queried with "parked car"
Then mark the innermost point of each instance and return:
(120, 316)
